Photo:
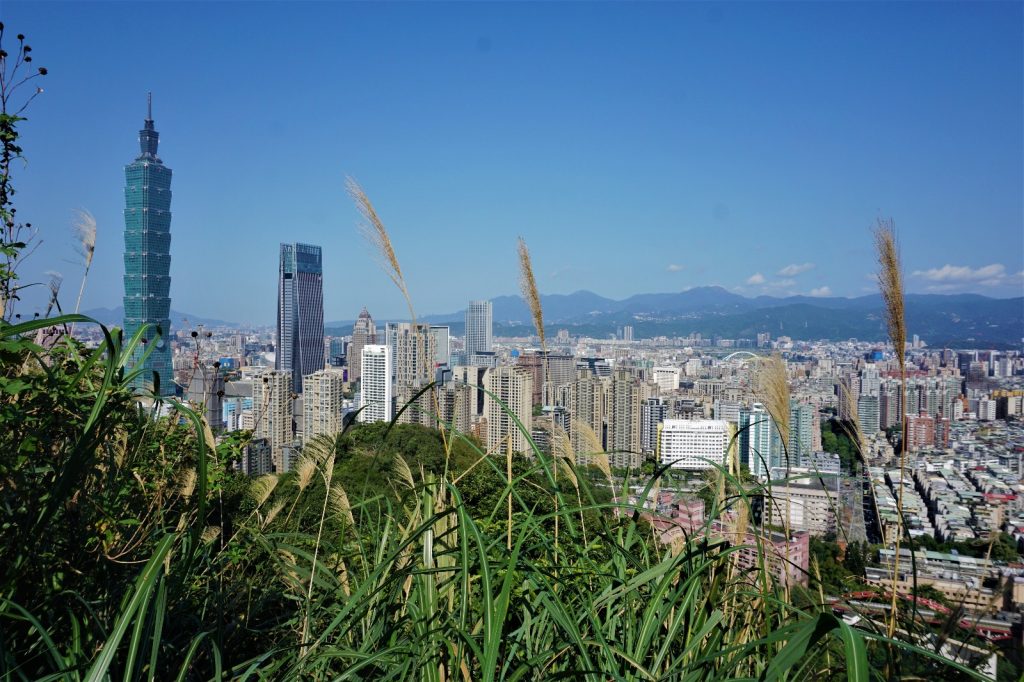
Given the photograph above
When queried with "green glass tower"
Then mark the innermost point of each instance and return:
(147, 258)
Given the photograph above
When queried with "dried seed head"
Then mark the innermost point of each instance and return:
(890, 284)
(528, 286)
(84, 227)
(376, 234)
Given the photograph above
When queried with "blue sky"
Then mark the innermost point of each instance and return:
(636, 147)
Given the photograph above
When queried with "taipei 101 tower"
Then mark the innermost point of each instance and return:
(147, 259)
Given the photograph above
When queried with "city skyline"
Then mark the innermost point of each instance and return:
(715, 129)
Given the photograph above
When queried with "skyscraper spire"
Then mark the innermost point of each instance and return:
(149, 138)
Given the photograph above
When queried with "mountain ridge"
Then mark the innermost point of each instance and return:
(711, 310)
(939, 318)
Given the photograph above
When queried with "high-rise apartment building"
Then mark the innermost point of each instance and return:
(364, 333)
(513, 388)
(890, 404)
(322, 404)
(870, 381)
(273, 413)
(762, 440)
(622, 415)
(479, 327)
(413, 350)
(549, 371)
(808, 506)
(533, 363)
(729, 410)
(335, 351)
(868, 414)
(300, 312)
(803, 421)
(587, 404)
(695, 444)
(456, 403)
(206, 389)
(561, 371)
(147, 260)
(653, 411)
(920, 432)
(257, 458)
(375, 396)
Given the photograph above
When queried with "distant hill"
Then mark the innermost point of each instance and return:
(960, 319)
(179, 320)
(941, 320)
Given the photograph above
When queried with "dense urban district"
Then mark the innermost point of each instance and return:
(875, 485)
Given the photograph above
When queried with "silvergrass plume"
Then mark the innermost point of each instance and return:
(84, 227)
(528, 285)
(56, 280)
(340, 504)
(187, 483)
(272, 514)
(304, 472)
(85, 231)
(376, 234)
(260, 489)
(890, 284)
(772, 387)
(401, 468)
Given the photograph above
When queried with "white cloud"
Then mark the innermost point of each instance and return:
(964, 273)
(965, 278)
(821, 291)
(795, 269)
(674, 267)
(773, 287)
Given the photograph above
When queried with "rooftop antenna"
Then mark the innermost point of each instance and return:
(149, 106)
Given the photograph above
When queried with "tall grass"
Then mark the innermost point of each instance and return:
(420, 576)
(890, 284)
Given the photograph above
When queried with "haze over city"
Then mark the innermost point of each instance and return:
(637, 148)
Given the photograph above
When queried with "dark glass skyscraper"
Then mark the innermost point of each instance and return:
(300, 312)
(147, 257)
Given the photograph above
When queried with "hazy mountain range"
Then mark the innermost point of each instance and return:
(179, 320)
(957, 319)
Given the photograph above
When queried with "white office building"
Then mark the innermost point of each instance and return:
(442, 346)
(478, 327)
(694, 444)
(375, 396)
(667, 378)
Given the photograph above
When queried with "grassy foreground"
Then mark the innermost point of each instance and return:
(131, 550)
